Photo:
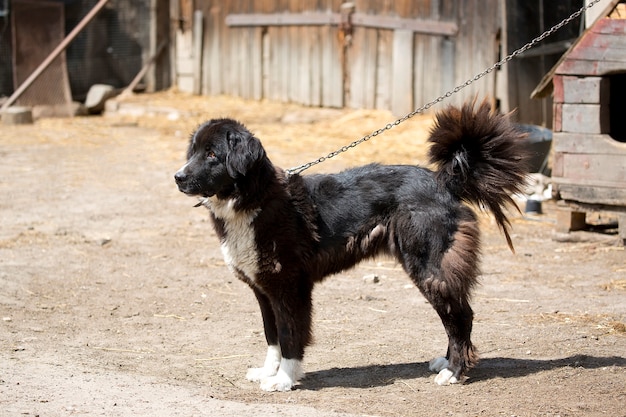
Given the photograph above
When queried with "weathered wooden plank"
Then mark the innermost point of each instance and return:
(302, 76)
(310, 67)
(592, 194)
(611, 47)
(198, 36)
(232, 75)
(274, 75)
(249, 62)
(432, 27)
(362, 64)
(557, 165)
(583, 90)
(584, 118)
(212, 55)
(588, 144)
(255, 71)
(332, 71)
(225, 62)
(283, 19)
(595, 169)
(558, 94)
(586, 207)
(421, 74)
(184, 61)
(464, 58)
(402, 67)
(426, 26)
(292, 61)
(384, 69)
(433, 70)
(266, 65)
(448, 64)
(557, 117)
(589, 67)
(269, 51)
(610, 26)
(280, 64)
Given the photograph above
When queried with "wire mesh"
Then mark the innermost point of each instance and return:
(109, 50)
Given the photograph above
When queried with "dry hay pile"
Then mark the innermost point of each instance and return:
(292, 134)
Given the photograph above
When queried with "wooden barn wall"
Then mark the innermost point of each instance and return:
(317, 65)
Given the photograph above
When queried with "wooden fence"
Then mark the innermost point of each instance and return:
(395, 55)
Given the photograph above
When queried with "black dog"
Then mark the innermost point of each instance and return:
(283, 233)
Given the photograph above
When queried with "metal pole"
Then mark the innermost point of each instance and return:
(41, 68)
(144, 70)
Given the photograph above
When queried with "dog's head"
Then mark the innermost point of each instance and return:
(221, 152)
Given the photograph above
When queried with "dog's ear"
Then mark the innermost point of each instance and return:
(244, 152)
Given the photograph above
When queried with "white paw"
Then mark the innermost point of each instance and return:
(279, 382)
(258, 374)
(270, 367)
(444, 377)
(289, 373)
(438, 364)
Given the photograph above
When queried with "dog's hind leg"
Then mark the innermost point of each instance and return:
(273, 357)
(461, 354)
(446, 280)
(448, 289)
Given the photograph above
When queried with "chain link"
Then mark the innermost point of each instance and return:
(389, 126)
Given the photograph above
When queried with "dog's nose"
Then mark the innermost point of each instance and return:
(180, 176)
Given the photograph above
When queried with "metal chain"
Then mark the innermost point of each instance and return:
(529, 45)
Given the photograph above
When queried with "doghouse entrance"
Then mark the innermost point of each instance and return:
(617, 106)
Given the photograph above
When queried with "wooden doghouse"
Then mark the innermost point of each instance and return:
(589, 139)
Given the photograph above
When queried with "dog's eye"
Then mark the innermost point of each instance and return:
(210, 155)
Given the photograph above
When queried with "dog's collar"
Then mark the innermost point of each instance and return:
(203, 202)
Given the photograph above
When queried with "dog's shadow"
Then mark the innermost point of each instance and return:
(488, 368)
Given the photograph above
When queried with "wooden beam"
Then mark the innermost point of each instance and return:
(283, 19)
(593, 194)
(425, 26)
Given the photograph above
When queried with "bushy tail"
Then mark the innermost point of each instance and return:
(481, 157)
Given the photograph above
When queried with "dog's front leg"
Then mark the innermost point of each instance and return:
(293, 322)
(273, 357)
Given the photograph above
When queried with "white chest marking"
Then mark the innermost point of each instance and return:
(238, 245)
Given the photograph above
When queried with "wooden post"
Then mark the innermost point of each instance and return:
(568, 220)
(198, 34)
(621, 221)
(402, 69)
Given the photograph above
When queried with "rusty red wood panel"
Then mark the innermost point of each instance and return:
(38, 27)
(558, 94)
(610, 26)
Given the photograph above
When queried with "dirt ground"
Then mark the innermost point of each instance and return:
(115, 301)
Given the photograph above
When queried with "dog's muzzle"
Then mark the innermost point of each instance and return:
(181, 180)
